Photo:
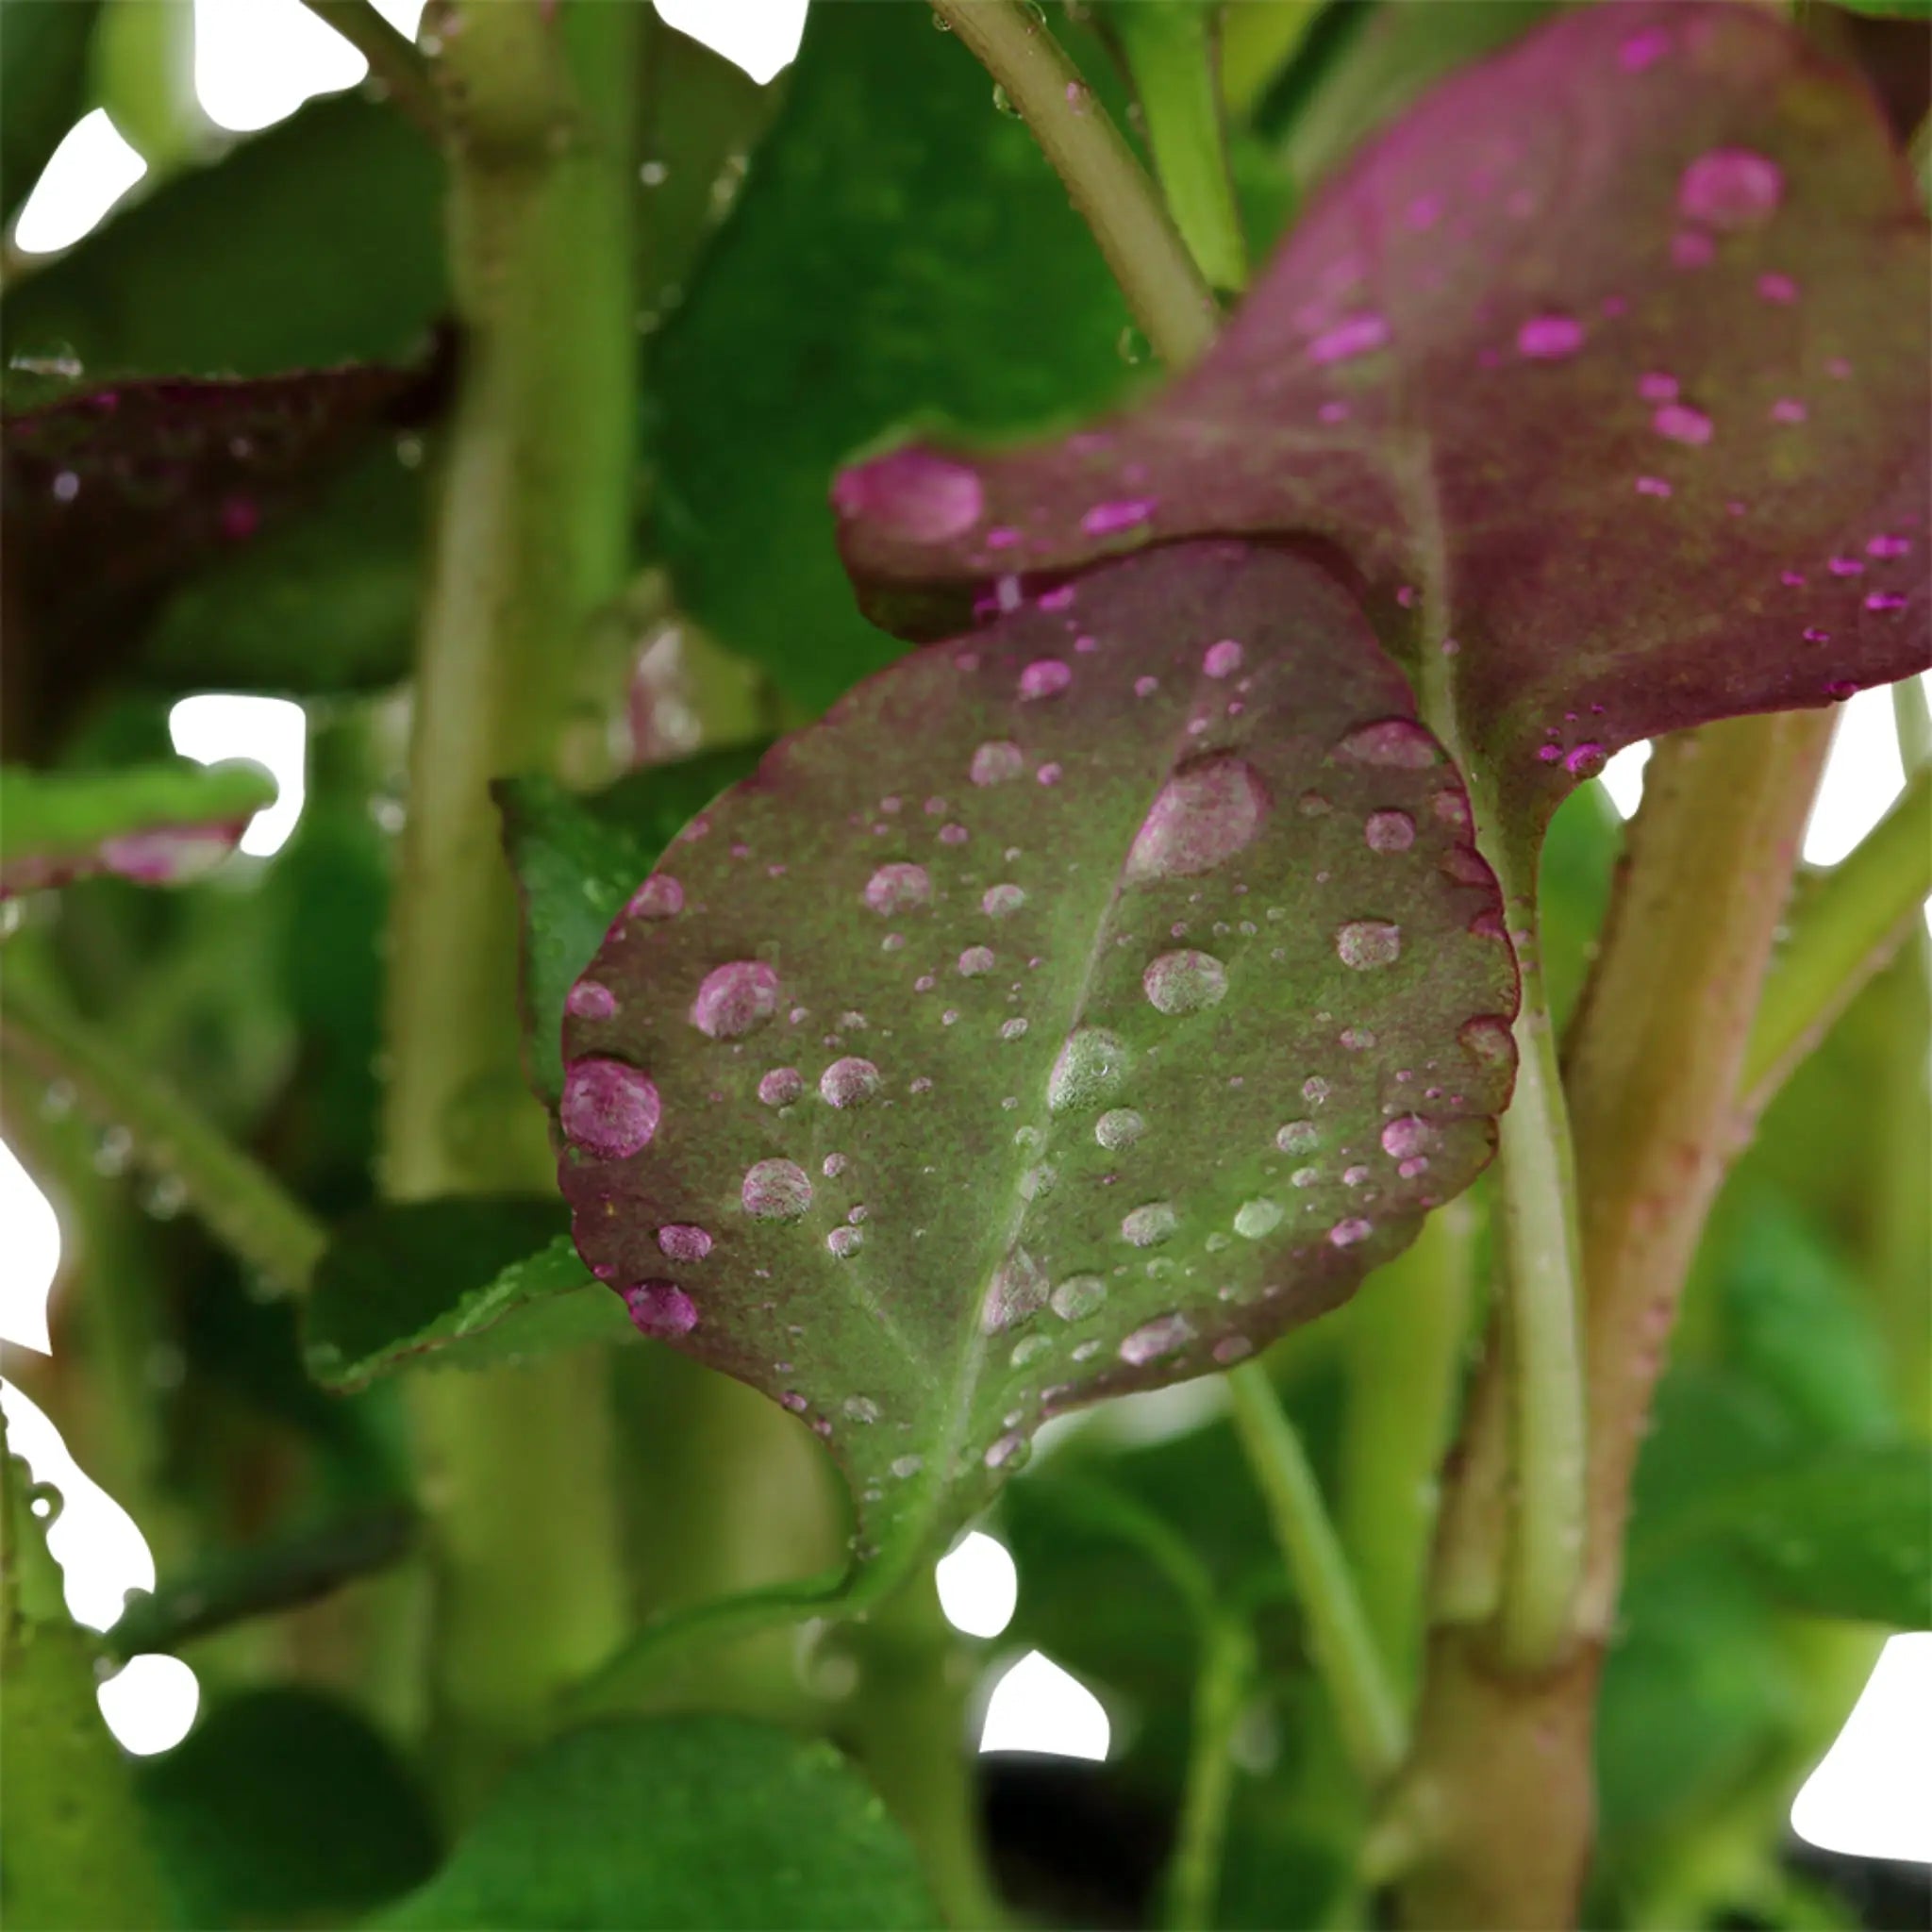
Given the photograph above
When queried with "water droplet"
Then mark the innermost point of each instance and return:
(1389, 831)
(1731, 187)
(777, 1191)
(996, 761)
(1161, 1337)
(1231, 1349)
(1221, 660)
(1119, 1126)
(1011, 1447)
(1549, 338)
(1297, 1137)
(1206, 813)
(781, 1086)
(1306, 1176)
(1408, 1136)
(1315, 1089)
(849, 1082)
(1046, 677)
(1397, 743)
(609, 1107)
(1093, 1063)
(1038, 1182)
(913, 494)
(906, 1466)
(898, 887)
(999, 901)
(1253, 1219)
(1105, 519)
(1680, 423)
(661, 1308)
(1359, 336)
(1018, 1290)
(1344, 1234)
(976, 961)
(1355, 1176)
(735, 998)
(1584, 760)
(1366, 944)
(684, 1242)
(846, 1242)
(1014, 1028)
(587, 1000)
(1149, 1225)
(1078, 1296)
(659, 898)
(1184, 982)
(861, 1409)
(1487, 1038)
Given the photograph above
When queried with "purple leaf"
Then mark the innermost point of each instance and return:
(1605, 370)
(1074, 1008)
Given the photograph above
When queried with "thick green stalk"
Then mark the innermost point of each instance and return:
(243, 1205)
(531, 537)
(1172, 54)
(1222, 1689)
(1403, 1360)
(1367, 1712)
(394, 64)
(1107, 184)
(1844, 926)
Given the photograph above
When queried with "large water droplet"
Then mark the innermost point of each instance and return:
(1149, 1225)
(1206, 813)
(661, 1308)
(1408, 1136)
(1156, 1339)
(1253, 1219)
(1017, 1289)
(1078, 1296)
(781, 1086)
(1365, 943)
(976, 961)
(609, 1107)
(997, 761)
(1389, 831)
(999, 901)
(1731, 187)
(1398, 743)
(587, 1000)
(897, 888)
(1184, 982)
(1090, 1067)
(846, 1242)
(734, 998)
(1297, 1137)
(849, 1082)
(1487, 1038)
(1221, 660)
(777, 1191)
(1046, 677)
(659, 898)
(913, 494)
(683, 1241)
(1119, 1126)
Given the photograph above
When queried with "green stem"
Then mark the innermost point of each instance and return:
(1404, 1364)
(395, 60)
(1170, 52)
(1222, 1686)
(1843, 928)
(1912, 712)
(1107, 184)
(531, 537)
(242, 1203)
(1367, 1712)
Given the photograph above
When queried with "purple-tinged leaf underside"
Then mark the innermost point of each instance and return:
(1605, 370)
(1074, 1008)
(157, 824)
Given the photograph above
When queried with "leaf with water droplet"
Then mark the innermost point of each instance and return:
(156, 824)
(1068, 1161)
(1678, 230)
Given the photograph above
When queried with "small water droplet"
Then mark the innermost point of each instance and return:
(1184, 982)
(860, 1409)
(1407, 1135)
(913, 494)
(1011, 1447)
(1397, 744)
(907, 1466)
(1549, 338)
(1389, 831)
(1078, 1296)
(609, 1107)
(1315, 1089)
(849, 1082)
(1680, 423)
(661, 1308)
(1163, 1336)
(659, 898)
(1358, 336)
(1253, 1219)
(998, 902)
(997, 761)
(1018, 1290)
(1367, 943)
(897, 888)
(1149, 1225)
(777, 1191)
(781, 1086)
(1731, 187)
(1487, 1038)
(1014, 1028)
(1297, 1137)
(1106, 518)
(1344, 1234)
(1231, 1349)
(1119, 1126)
(735, 998)
(1206, 813)
(587, 1000)
(976, 961)
(1046, 677)
(1221, 660)
(1092, 1064)
(683, 1241)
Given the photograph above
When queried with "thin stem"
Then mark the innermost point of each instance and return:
(1367, 1712)
(395, 60)
(1912, 712)
(1403, 1358)
(531, 537)
(1171, 49)
(243, 1205)
(1107, 184)
(1222, 1686)
(1843, 928)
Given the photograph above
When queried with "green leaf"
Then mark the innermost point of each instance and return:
(1694, 248)
(900, 250)
(44, 71)
(678, 1824)
(158, 823)
(456, 1283)
(313, 245)
(1072, 1011)
(578, 858)
(284, 1807)
(1844, 1534)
